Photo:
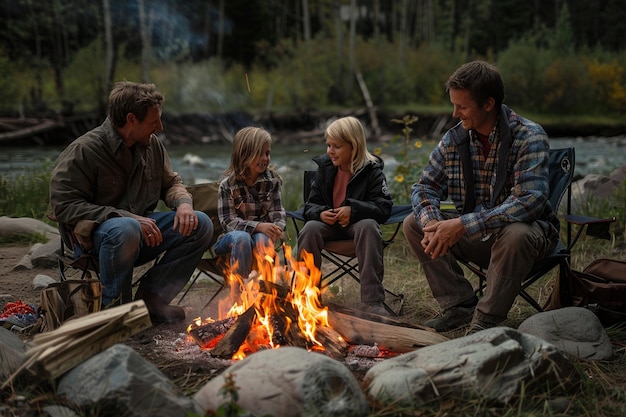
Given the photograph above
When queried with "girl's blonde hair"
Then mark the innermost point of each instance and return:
(247, 145)
(350, 130)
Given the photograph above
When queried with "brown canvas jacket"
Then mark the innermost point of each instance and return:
(98, 177)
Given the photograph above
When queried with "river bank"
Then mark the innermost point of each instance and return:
(297, 127)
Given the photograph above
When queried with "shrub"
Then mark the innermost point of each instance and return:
(27, 195)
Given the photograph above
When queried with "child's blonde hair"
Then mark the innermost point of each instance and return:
(350, 130)
(247, 145)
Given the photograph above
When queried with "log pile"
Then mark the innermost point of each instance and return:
(56, 352)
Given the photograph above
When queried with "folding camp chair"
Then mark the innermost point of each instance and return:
(205, 198)
(85, 263)
(342, 253)
(561, 173)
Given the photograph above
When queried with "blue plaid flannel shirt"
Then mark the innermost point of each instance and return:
(526, 190)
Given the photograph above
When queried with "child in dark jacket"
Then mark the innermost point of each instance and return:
(349, 199)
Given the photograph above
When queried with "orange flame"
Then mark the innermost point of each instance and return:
(303, 280)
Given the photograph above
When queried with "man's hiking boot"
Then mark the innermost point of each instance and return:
(160, 311)
(479, 325)
(454, 317)
(375, 308)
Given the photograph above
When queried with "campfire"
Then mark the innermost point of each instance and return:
(277, 307)
(281, 306)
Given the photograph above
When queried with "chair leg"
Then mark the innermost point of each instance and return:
(210, 269)
(194, 278)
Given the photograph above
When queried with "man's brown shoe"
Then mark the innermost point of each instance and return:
(160, 312)
(452, 318)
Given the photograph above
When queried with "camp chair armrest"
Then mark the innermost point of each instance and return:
(596, 227)
(297, 214)
(585, 220)
(399, 213)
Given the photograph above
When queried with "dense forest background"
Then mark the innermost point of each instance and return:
(561, 57)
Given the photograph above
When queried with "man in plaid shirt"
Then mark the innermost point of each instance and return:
(493, 166)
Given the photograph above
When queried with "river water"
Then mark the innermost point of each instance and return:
(201, 163)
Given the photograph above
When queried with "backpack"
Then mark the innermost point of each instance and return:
(65, 300)
(600, 287)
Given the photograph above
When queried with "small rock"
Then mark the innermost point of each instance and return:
(42, 281)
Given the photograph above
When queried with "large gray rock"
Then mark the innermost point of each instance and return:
(288, 382)
(119, 381)
(44, 255)
(575, 330)
(593, 189)
(25, 226)
(12, 353)
(493, 365)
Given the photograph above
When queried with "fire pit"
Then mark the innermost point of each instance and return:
(280, 306)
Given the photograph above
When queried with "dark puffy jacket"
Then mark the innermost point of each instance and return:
(367, 193)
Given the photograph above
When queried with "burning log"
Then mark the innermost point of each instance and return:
(225, 337)
(267, 287)
(334, 345)
(286, 330)
(206, 336)
(235, 336)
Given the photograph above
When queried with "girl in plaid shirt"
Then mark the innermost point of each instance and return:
(249, 206)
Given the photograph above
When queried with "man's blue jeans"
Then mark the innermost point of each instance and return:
(120, 247)
(240, 246)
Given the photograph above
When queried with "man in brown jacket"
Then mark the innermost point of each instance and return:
(106, 185)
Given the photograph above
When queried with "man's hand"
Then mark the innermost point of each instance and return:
(185, 220)
(151, 233)
(440, 236)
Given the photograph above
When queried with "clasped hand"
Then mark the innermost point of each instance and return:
(339, 215)
(440, 236)
(270, 229)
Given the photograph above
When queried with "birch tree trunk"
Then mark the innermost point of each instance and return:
(146, 45)
(352, 59)
(220, 32)
(306, 21)
(109, 57)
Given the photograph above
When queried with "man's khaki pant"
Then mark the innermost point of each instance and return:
(507, 255)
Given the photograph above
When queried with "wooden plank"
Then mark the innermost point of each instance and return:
(92, 320)
(389, 334)
(58, 351)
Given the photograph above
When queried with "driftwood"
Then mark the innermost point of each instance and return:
(369, 103)
(56, 352)
(359, 328)
(27, 131)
